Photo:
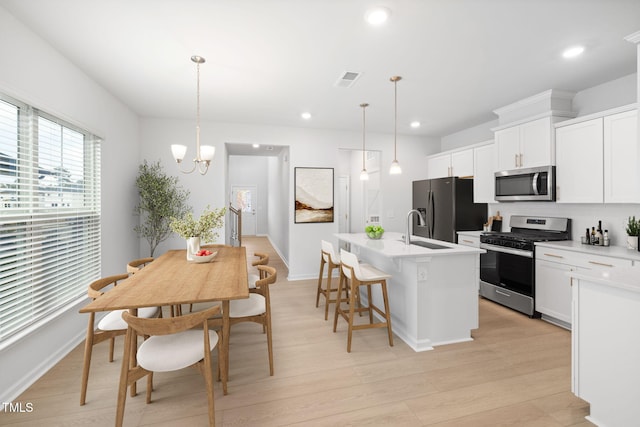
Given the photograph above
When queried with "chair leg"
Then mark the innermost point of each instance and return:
(338, 302)
(370, 304)
(269, 343)
(328, 293)
(319, 290)
(149, 386)
(352, 307)
(112, 342)
(387, 312)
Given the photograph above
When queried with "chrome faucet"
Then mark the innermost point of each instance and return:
(407, 235)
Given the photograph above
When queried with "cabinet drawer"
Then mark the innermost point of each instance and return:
(558, 255)
(469, 240)
(590, 261)
(597, 262)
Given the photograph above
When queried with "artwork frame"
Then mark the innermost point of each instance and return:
(313, 195)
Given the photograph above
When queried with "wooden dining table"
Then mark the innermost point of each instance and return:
(171, 280)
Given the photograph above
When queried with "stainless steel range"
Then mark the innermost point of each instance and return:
(507, 270)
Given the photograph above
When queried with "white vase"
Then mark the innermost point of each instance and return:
(193, 246)
(632, 242)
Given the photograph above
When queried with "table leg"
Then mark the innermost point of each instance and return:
(134, 352)
(224, 354)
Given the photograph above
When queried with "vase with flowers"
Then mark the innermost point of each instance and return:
(197, 231)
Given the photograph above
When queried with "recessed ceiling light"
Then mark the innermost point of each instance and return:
(377, 16)
(256, 145)
(306, 115)
(415, 124)
(573, 51)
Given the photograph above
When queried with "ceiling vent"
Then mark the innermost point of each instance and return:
(347, 79)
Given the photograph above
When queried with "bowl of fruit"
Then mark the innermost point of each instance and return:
(374, 231)
(204, 255)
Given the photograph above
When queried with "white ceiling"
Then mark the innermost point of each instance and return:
(269, 60)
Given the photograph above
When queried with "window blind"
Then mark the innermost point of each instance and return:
(49, 215)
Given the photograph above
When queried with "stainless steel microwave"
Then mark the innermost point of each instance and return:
(531, 184)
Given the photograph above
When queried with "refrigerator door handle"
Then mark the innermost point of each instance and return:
(432, 205)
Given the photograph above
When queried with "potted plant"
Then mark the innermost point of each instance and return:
(160, 199)
(201, 230)
(632, 229)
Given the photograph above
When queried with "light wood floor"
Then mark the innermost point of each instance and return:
(516, 372)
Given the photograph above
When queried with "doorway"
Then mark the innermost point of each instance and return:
(243, 199)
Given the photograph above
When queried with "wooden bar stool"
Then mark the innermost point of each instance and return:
(328, 257)
(357, 275)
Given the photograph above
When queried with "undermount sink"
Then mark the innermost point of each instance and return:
(428, 245)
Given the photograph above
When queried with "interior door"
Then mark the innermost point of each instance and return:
(245, 198)
(344, 205)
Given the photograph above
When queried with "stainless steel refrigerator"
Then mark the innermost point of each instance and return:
(447, 207)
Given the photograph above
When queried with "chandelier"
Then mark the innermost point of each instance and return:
(204, 153)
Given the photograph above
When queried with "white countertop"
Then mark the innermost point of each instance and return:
(392, 245)
(610, 251)
(622, 278)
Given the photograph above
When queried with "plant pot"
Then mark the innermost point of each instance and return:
(193, 246)
(632, 242)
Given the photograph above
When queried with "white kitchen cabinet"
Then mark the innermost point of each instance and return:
(604, 348)
(579, 167)
(597, 160)
(457, 163)
(553, 286)
(484, 174)
(526, 145)
(472, 238)
(553, 290)
(621, 158)
(438, 166)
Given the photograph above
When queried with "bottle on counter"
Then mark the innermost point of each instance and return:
(605, 238)
(587, 237)
(599, 238)
(593, 235)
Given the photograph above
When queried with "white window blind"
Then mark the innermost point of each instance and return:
(49, 215)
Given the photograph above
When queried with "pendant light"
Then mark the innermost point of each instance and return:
(395, 166)
(205, 153)
(364, 175)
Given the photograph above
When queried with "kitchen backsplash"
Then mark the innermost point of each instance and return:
(613, 216)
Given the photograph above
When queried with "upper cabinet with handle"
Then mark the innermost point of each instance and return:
(597, 159)
(457, 163)
(526, 145)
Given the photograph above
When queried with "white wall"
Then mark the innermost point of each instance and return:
(472, 135)
(307, 148)
(278, 204)
(35, 73)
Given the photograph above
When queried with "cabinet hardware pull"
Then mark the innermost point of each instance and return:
(601, 263)
(553, 255)
(516, 160)
(521, 159)
(467, 241)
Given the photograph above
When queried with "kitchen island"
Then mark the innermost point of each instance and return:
(433, 291)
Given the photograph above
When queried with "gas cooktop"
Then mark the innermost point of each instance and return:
(525, 231)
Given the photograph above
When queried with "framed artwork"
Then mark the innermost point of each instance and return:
(313, 195)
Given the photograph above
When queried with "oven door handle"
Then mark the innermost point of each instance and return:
(502, 249)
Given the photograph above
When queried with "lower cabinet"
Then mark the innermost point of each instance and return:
(553, 285)
(473, 240)
(553, 291)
